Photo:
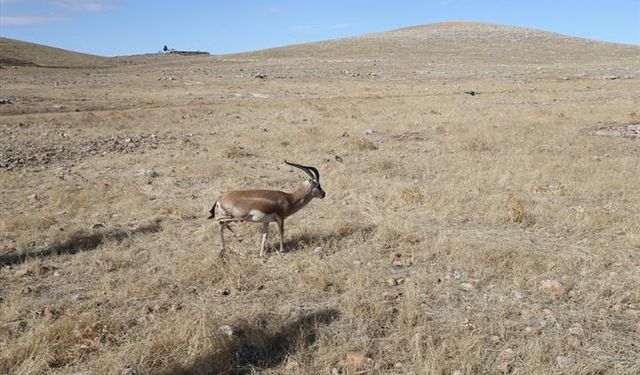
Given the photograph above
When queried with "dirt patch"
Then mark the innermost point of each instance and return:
(626, 131)
(28, 154)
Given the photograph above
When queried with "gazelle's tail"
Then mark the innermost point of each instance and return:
(213, 211)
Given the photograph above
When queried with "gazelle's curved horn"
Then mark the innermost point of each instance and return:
(311, 171)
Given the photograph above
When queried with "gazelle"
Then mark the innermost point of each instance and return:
(266, 206)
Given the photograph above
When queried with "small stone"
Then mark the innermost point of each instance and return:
(228, 330)
(335, 371)
(495, 339)
(467, 286)
(22, 272)
(504, 367)
(150, 172)
(292, 365)
(97, 226)
(506, 354)
(358, 360)
(576, 330)
(390, 296)
(319, 252)
(14, 327)
(574, 342)
(369, 131)
(399, 261)
(532, 331)
(392, 281)
(636, 328)
(553, 287)
(224, 291)
(564, 362)
(26, 290)
(42, 270)
(457, 372)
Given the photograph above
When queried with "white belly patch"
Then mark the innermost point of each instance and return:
(259, 216)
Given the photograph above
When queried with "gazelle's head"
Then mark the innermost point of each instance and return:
(313, 181)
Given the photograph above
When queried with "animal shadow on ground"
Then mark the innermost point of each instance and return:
(79, 241)
(308, 239)
(245, 348)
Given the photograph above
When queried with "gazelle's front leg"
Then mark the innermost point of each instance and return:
(281, 230)
(265, 232)
(221, 225)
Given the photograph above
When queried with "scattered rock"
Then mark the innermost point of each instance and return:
(14, 327)
(457, 372)
(319, 252)
(223, 291)
(43, 270)
(553, 288)
(149, 172)
(577, 330)
(358, 360)
(292, 365)
(504, 367)
(390, 295)
(400, 261)
(97, 226)
(467, 287)
(532, 331)
(564, 362)
(260, 75)
(610, 77)
(574, 342)
(636, 328)
(22, 272)
(229, 330)
(506, 354)
(369, 131)
(471, 92)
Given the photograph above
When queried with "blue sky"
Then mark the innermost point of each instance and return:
(124, 27)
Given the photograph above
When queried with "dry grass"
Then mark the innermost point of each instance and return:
(485, 234)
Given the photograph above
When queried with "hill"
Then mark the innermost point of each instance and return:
(18, 53)
(459, 40)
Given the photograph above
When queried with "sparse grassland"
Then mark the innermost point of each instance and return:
(481, 234)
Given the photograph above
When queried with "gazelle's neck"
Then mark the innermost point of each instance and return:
(300, 197)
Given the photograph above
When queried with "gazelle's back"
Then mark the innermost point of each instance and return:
(241, 203)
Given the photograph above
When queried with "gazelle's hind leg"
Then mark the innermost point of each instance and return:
(224, 223)
(265, 233)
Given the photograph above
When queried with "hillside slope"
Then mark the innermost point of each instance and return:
(19, 53)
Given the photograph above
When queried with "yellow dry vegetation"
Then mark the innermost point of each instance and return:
(484, 233)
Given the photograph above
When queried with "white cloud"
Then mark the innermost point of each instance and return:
(89, 6)
(29, 20)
